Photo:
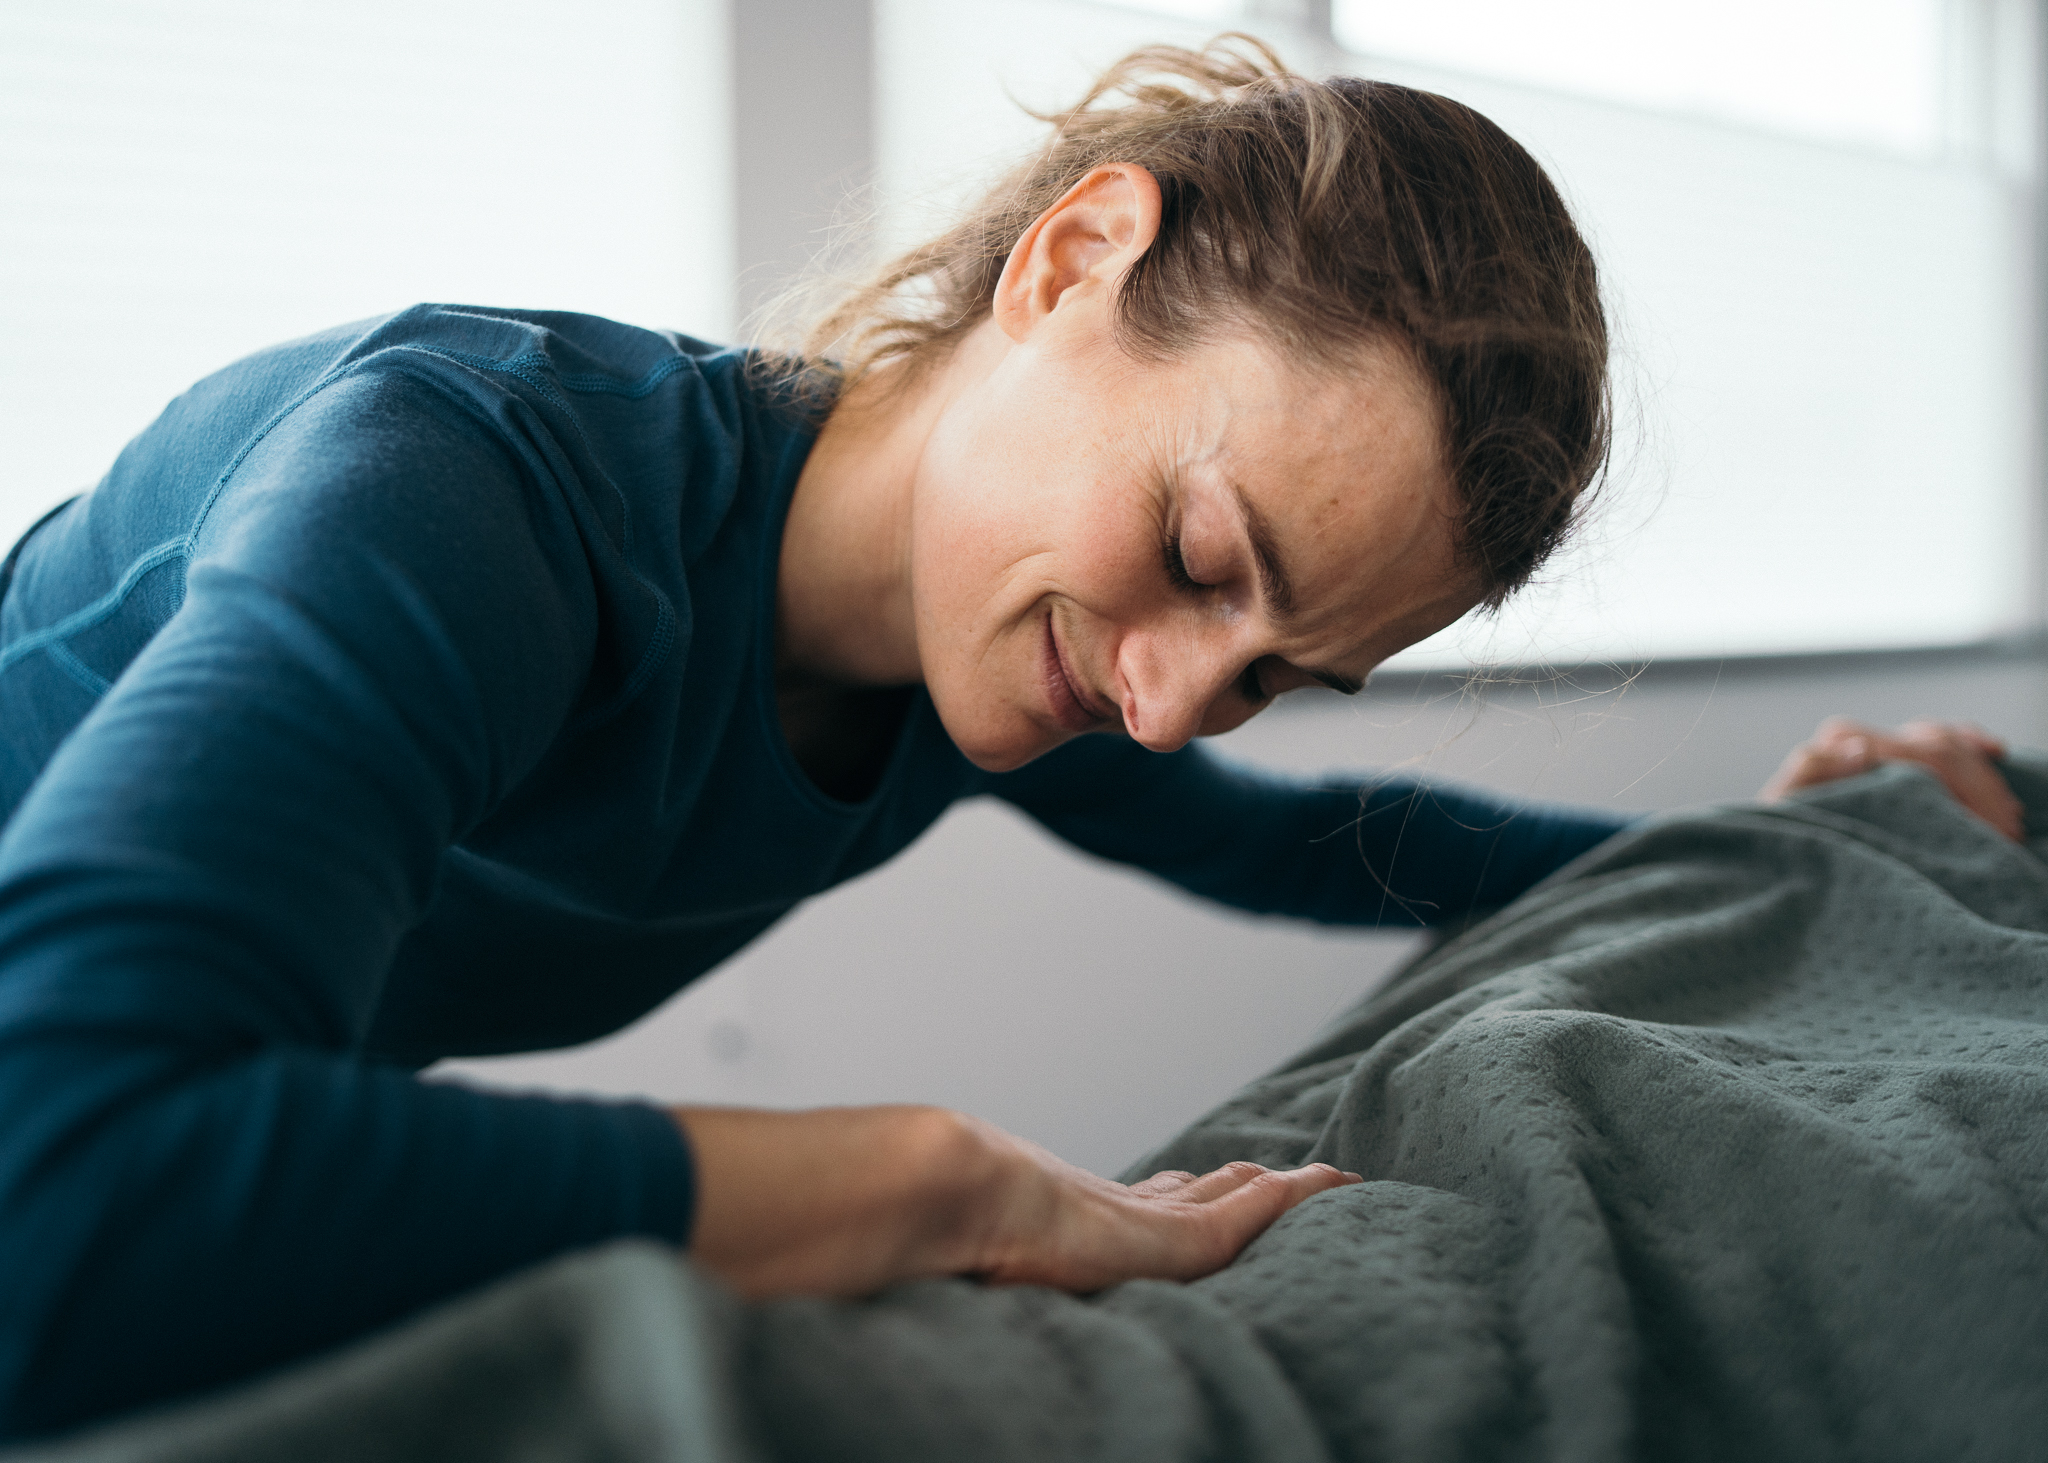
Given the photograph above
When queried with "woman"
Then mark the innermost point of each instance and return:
(469, 680)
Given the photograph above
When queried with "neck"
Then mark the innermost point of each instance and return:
(843, 608)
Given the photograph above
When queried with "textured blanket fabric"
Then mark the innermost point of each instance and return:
(1731, 1141)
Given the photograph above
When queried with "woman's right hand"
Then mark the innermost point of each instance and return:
(846, 1201)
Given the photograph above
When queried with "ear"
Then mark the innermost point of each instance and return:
(1082, 244)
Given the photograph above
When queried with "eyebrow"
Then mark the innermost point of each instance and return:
(1276, 589)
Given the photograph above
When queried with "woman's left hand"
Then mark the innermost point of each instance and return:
(1963, 756)
(846, 1201)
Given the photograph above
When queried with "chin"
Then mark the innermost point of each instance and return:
(997, 743)
(1002, 762)
(1005, 756)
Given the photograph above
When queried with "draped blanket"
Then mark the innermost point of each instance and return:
(1728, 1141)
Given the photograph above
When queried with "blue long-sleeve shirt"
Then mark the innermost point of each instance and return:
(407, 691)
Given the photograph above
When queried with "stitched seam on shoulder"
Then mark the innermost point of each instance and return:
(178, 548)
(521, 366)
(99, 609)
(181, 547)
(110, 602)
(606, 386)
(68, 662)
(256, 438)
(537, 371)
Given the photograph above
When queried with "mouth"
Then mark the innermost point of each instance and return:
(1072, 706)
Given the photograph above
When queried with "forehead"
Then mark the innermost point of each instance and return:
(1345, 469)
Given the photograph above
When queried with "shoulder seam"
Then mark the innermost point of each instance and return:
(660, 641)
(87, 616)
(67, 661)
(84, 618)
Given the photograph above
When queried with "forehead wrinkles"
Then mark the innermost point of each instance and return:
(1367, 554)
(1347, 466)
(1276, 415)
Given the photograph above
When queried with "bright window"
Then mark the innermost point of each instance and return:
(1812, 218)
(1866, 71)
(189, 180)
(1215, 10)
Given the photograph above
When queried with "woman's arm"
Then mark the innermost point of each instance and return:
(1388, 851)
(382, 628)
(844, 1201)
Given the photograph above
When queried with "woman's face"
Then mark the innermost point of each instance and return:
(1160, 548)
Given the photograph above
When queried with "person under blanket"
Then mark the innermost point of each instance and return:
(469, 680)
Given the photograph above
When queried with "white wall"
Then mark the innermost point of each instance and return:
(189, 180)
(952, 81)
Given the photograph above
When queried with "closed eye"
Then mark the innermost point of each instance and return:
(1247, 684)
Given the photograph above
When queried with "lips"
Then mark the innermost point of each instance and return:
(1072, 707)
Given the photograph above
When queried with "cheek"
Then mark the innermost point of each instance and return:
(988, 556)
(978, 569)
(1227, 712)
(966, 531)
(1113, 542)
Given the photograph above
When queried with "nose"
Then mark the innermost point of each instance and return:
(1171, 678)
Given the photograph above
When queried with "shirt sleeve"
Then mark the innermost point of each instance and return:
(1373, 851)
(386, 622)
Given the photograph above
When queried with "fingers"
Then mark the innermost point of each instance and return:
(1813, 763)
(1961, 754)
(1966, 732)
(1221, 1181)
(1990, 746)
(1957, 755)
(1083, 1236)
(1291, 1186)
(1845, 748)
(1234, 1176)
(1209, 1220)
(1839, 747)
(1248, 1207)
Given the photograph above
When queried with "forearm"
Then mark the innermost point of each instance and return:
(173, 1222)
(835, 1201)
(1385, 851)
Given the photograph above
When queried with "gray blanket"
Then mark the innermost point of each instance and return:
(1731, 1141)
